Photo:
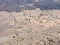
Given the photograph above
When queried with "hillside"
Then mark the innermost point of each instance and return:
(30, 27)
(18, 5)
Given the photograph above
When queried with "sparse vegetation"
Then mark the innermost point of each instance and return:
(30, 27)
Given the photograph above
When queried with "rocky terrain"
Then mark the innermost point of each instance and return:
(30, 27)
